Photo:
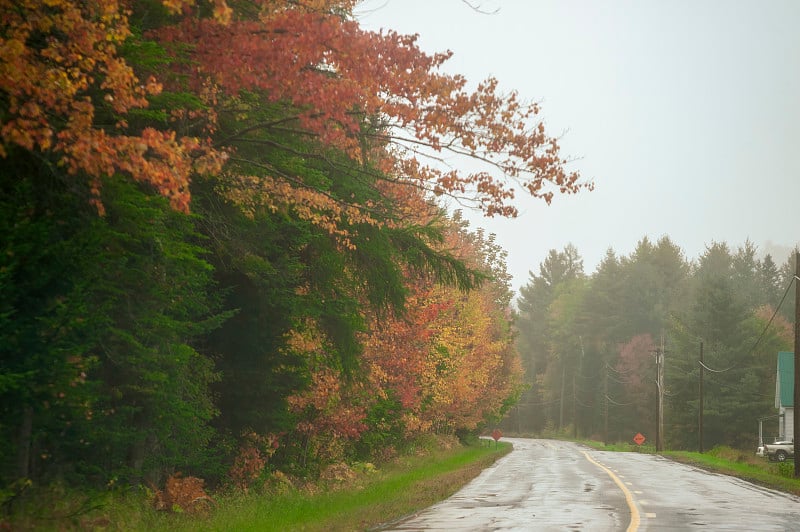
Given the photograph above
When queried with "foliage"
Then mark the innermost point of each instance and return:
(182, 494)
(224, 249)
(113, 374)
(589, 344)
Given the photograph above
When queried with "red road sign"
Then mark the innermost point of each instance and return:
(496, 434)
(639, 438)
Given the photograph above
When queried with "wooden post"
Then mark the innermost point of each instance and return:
(561, 406)
(658, 398)
(660, 431)
(796, 397)
(605, 403)
(700, 415)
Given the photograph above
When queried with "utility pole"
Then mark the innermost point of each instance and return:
(658, 396)
(605, 405)
(660, 407)
(561, 406)
(575, 392)
(574, 409)
(796, 398)
(700, 418)
(660, 442)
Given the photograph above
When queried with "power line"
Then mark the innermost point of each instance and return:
(617, 371)
(618, 380)
(541, 404)
(766, 327)
(715, 370)
(785, 292)
(613, 402)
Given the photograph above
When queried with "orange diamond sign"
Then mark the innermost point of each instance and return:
(639, 438)
(496, 434)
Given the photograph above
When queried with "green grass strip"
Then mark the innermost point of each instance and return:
(400, 489)
(758, 470)
(725, 460)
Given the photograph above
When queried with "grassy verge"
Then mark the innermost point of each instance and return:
(374, 497)
(724, 460)
(396, 491)
(778, 476)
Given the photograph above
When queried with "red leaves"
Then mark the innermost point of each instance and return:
(184, 494)
(332, 76)
(254, 454)
(55, 91)
(450, 359)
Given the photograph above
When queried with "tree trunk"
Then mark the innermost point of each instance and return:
(24, 443)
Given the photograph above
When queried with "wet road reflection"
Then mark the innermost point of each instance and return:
(554, 485)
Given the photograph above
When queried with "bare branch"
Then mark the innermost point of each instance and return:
(477, 8)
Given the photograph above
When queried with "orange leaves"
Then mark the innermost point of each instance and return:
(182, 494)
(329, 414)
(254, 454)
(221, 12)
(372, 97)
(450, 359)
(327, 410)
(59, 69)
(335, 76)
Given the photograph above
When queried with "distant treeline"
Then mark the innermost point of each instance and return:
(589, 343)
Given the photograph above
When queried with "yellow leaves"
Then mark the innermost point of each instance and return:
(273, 7)
(308, 56)
(175, 6)
(222, 12)
(307, 340)
(450, 360)
(254, 193)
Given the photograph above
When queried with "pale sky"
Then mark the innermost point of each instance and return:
(684, 113)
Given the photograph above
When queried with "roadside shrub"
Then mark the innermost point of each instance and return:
(183, 494)
(730, 454)
(254, 453)
(785, 469)
(385, 429)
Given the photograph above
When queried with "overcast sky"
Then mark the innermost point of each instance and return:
(685, 114)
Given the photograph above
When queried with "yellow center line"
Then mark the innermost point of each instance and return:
(634, 524)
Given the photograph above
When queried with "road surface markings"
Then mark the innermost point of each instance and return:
(650, 516)
(634, 524)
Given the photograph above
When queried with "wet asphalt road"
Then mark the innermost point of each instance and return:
(552, 485)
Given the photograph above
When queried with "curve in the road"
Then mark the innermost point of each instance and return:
(634, 524)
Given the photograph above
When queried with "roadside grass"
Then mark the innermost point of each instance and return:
(622, 447)
(376, 496)
(725, 460)
(399, 489)
(778, 476)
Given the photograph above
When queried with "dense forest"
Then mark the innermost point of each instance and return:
(224, 252)
(590, 343)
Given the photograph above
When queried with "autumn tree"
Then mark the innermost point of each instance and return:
(308, 151)
(457, 369)
(631, 382)
(67, 94)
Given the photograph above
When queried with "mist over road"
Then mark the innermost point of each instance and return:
(555, 485)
